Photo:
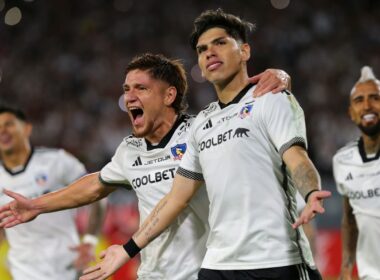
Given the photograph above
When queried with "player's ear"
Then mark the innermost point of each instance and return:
(245, 51)
(170, 95)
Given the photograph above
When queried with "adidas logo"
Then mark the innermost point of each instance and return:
(349, 177)
(208, 125)
(138, 162)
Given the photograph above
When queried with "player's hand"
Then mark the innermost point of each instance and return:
(112, 259)
(86, 255)
(312, 207)
(18, 211)
(273, 80)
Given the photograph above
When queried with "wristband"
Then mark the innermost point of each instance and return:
(90, 239)
(309, 193)
(131, 248)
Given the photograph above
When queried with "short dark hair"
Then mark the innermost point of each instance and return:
(167, 70)
(234, 26)
(4, 108)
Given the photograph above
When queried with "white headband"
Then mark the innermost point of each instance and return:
(366, 75)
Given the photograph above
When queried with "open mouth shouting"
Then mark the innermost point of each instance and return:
(137, 115)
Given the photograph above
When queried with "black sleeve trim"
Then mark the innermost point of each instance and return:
(190, 174)
(122, 184)
(296, 141)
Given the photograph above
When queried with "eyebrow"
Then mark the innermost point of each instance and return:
(213, 41)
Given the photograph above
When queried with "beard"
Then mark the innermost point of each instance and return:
(372, 130)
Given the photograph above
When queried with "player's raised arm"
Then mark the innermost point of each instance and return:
(83, 191)
(159, 219)
(306, 179)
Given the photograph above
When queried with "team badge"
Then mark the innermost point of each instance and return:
(245, 111)
(178, 151)
(41, 180)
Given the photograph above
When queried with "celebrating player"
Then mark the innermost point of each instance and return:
(356, 172)
(244, 149)
(146, 162)
(48, 247)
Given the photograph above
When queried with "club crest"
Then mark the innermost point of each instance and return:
(178, 151)
(245, 111)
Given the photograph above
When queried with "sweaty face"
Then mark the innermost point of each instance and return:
(365, 107)
(144, 97)
(220, 56)
(13, 133)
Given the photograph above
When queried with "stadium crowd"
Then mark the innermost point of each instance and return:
(64, 63)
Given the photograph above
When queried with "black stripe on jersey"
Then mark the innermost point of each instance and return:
(123, 184)
(237, 97)
(190, 174)
(287, 92)
(24, 167)
(289, 207)
(168, 136)
(363, 154)
(296, 141)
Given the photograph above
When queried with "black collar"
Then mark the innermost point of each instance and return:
(24, 167)
(237, 97)
(164, 141)
(363, 153)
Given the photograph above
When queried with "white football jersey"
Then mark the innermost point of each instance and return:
(358, 178)
(149, 170)
(237, 149)
(40, 249)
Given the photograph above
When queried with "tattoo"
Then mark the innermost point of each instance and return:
(305, 178)
(147, 229)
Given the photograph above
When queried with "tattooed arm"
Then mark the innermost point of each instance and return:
(306, 179)
(166, 210)
(349, 240)
(159, 219)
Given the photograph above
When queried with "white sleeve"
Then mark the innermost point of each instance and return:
(338, 182)
(70, 167)
(190, 166)
(113, 173)
(284, 121)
